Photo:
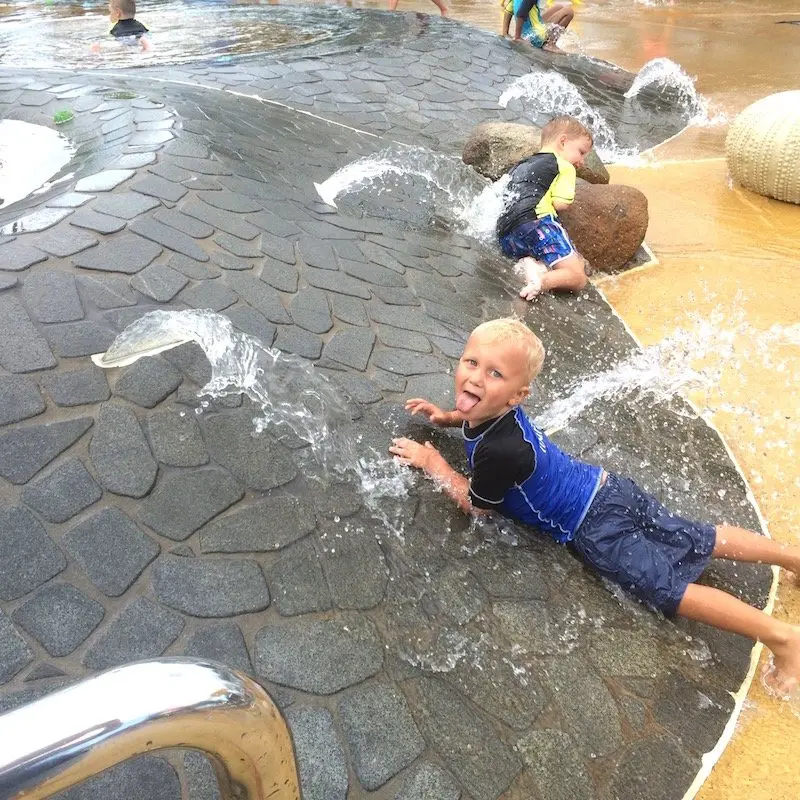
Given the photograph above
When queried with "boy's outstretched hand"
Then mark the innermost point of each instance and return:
(414, 454)
(444, 419)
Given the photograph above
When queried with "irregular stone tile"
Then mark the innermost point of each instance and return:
(63, 493)
(258, 461)
(396, 297)
(230, 201)
(297, 583)
(260, 296)
(427, 781)
(29, 557)
(337, 282)
(126, 253)
(14, 652)
(134, 160)
(322, 231)
(201, 780)
(185, 500)
(372, 273)
(69, 200)
(354, 565)
(52, 297)
(104, 181)
(452, 349)
(16, 257)
(170, 238)
(143, 629)
(270, 524)
(350, 310)
(141, 778)
(208, 294)
(351, 348)
(223, 220)
(625, 652)
(191, 361)
(153, 186)
(309, 309)
(19, 399)
(7, 281)
(39, 220)
(281, 276)
(126, 205)
(42, 671)
(181, 222)
(189, 146)
(231, 262)
(652, 768)
(59, 617)
(405, 362)
(317, 253)
(223, 642)
(292, 339)
(78, 387)
(320, 757)
(194, 269)
(249, 321)
(120, 454)
(319, 656)
(26, 450)
(466, 742)
(210, 588)
(100, 223)
(147, 382)
(65, 241)
(587, 707)
(73, 339)
(159, 282)
(238, 247)
(106, 292)
(380, 732)
(149, 138)
(519, 576)
(409, 319)
(277, 248)
(359, 389)
(171, 173)
(408, 340)
(175, 438)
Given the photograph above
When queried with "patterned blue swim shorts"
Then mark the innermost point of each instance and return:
(545, 239)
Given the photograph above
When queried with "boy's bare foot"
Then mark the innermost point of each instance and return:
(551, 48)
(781, 674)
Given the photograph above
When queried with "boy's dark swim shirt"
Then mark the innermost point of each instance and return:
(128, 27)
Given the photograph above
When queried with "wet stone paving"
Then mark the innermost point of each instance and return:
(415, 656)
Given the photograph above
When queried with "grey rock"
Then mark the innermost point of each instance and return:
(160, 282)
(350, 310)
(52, 297)
(405, 362)
(127, 253)
(380, 732)
(26, 450)
(181, 222)
(232, 263)
(466, 742)
(14, 652)
(428, 782)
(63, 493)
(28, 556)
(111, 550)
(557, 769)
(79, 387)
(153, 186)
(615, 651)
(282, 277)
(42, 671)
(69, 200)
(317, 253)
(251, 322)
(320, 757)
(239, 247)
(134, 160)
(120, 454)
(297, 583)
(22, 347)
(372, 273)
(126, 205)
(260, 296)
(223, 220)
(106, 292)
(258, 461)
(292, 339)
(277, 248)
(175, 438)
(185, 500)
(15, 257)
(518, 575)
(201, 780)
(220, 641)
(359, 389)
(170, 238)
(310, 310)
(196, 270)
(351, 348)
(319, 656)
(59, 617)
(407, 340)
(104, 181)
(19, 399)
(143, 629)
(210, 588)
(93, 221)
(74, 339)
(7, 281)
(337, 282)
(270, 524)
(65, 241)
(142, 778)
(208, 294)
(147, 382)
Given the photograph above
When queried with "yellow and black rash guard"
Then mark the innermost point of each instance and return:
(535, 183)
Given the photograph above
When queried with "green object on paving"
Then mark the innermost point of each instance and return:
(60, 117)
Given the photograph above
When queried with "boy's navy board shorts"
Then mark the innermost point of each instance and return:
(545, 239)
(628, 537)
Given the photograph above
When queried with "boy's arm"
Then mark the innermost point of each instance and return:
(444, 419)
(427, 458)
(563, 189)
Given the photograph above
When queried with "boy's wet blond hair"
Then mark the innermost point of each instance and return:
(565, 124)
(126, 8)
(508, 329)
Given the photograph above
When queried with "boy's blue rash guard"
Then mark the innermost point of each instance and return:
(518, 472)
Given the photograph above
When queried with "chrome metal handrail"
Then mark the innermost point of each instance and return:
(70, 735)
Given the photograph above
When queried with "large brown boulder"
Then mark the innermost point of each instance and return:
(607, 224)
(494, 147)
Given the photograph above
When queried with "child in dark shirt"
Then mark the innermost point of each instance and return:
(623, 533)
(125, 27)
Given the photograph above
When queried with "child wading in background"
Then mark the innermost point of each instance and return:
(125, 27)
(534, 24)
(623, 533)
(540, 187)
